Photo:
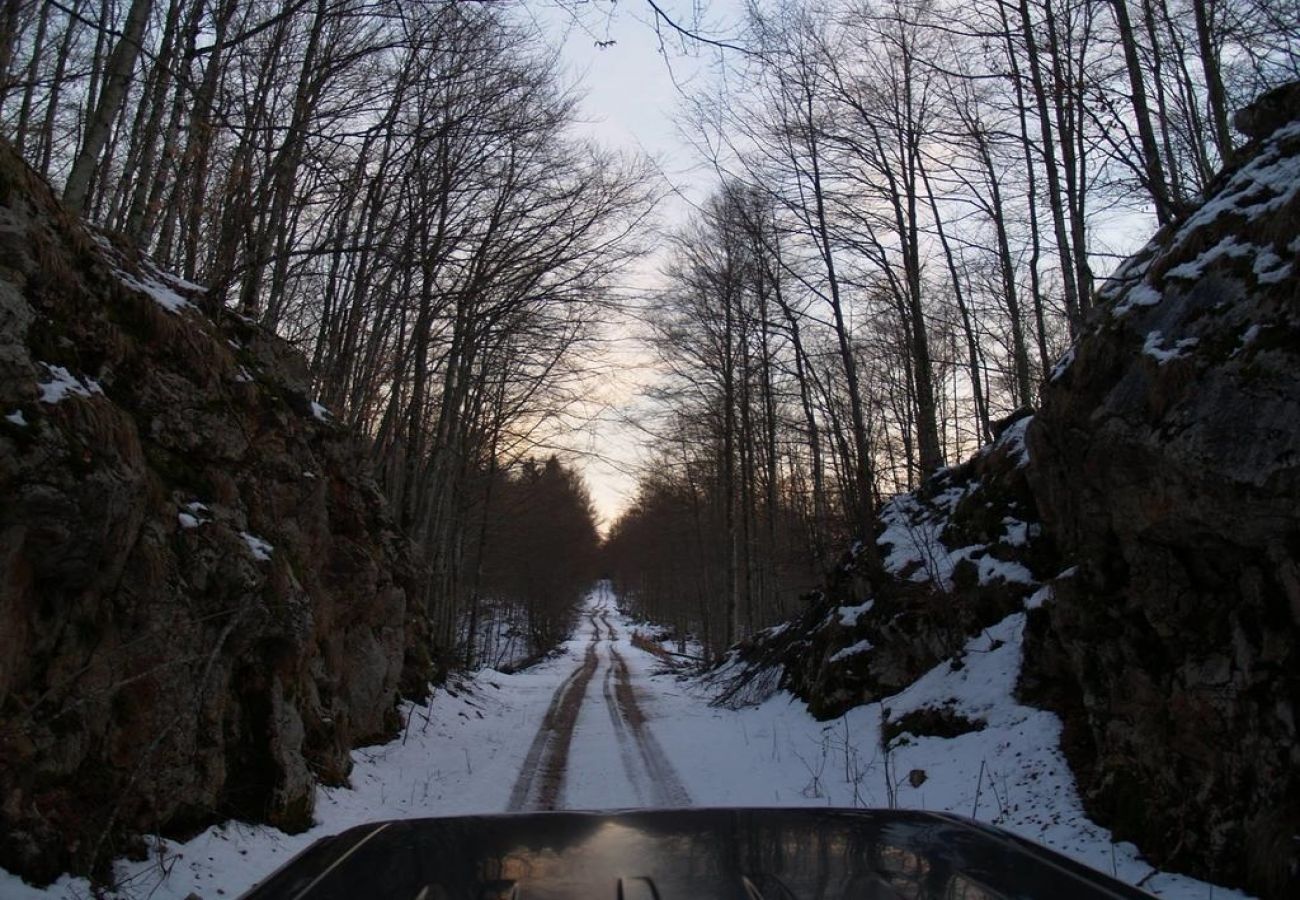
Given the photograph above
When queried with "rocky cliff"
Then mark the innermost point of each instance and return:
(203, 603)
(1167, 464)
(1148, 519)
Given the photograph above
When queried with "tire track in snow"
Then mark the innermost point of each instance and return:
(625, 741)
(604, 617)
(664, 782)
(541, 776)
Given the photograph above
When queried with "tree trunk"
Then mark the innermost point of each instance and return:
(117, 77)
(1069, 285)
(1157, 186)
(1204, 12)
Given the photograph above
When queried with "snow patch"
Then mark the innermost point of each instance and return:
(992, 570)
(1017, 533)
(1063, 364)
(1154, 348)
(16, 418)
(861, 646)
(1039, 597)
(1267, 182)
(1130, 272)
(64, 384)
(1248, 337)
(1269, 267)
(321, 413)
(195, 514)
(1228, 247)
(849, 615)
(156, 290)
(261, 549)
(775, 630)
(1140, 295)
(913, 538)
(1013, 438)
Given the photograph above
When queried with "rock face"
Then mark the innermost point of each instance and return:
(1167, 464)
(203, 603)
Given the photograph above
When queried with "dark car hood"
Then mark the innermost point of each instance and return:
(778, 854)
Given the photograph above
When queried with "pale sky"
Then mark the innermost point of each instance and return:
(633, 90)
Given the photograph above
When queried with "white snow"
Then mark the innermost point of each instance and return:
(992, 569)
(1248, 337)
(1129, 272)
(156, 289)
(1194, 269)
(849, 615)
(1154, 347)
(195, 514)
(159, 285)
(1017, 533)
(913, 535)
(460, 753)
(320, 412)
(1269, 267)
(182, 283)
(1013, 438)
(1039, 597)
(912, 532)
(1062, 365)
(16, 418)
(861, 646)
(63, 384)
(1267, 182)
(260, 548)
(1141, 294)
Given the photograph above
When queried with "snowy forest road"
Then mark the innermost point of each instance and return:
(548, 778)
(601, 726)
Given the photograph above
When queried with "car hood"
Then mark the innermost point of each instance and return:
(747, 854)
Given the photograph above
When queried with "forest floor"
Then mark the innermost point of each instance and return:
(604, 724)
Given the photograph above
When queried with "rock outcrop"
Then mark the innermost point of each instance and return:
(203, 602)
(1166, 462)
(959, 554)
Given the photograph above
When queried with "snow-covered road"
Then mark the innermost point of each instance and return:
(602, 725)
(615, 759)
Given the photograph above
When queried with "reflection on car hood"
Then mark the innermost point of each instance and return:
(746, 854)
